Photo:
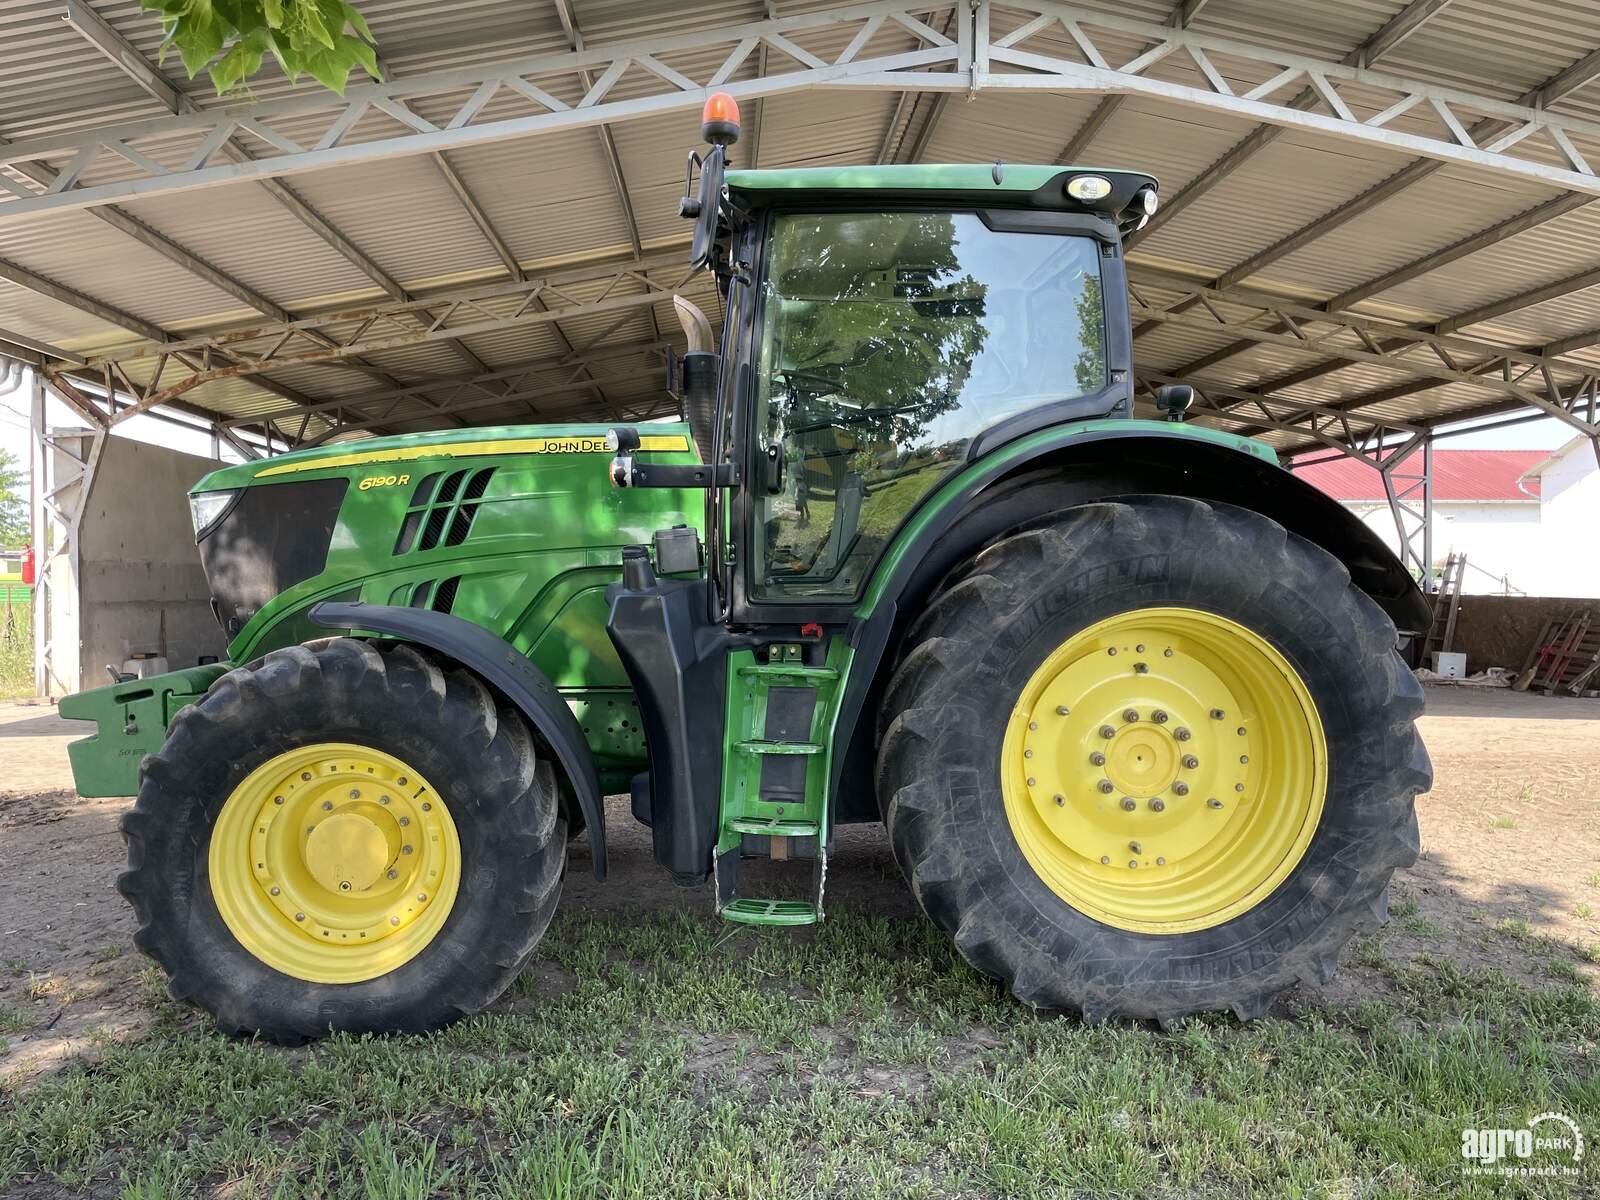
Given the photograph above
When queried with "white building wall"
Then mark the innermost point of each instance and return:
(1570, 525)
(1503, 540)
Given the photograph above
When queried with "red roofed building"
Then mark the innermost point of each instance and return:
(1487, 504)
(1458, 475)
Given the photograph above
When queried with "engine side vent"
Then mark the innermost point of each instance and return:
(461, 525)
(442, 510)
(444, 599)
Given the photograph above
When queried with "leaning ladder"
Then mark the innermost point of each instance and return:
(1446, 603)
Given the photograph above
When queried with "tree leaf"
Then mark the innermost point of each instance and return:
(329, 69)
(357, 51)
(312, 24)
(272, 11)
(198, 42)
(358, 22)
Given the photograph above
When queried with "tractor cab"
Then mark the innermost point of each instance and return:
(884, 328)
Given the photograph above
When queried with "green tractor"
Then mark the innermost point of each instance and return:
(1125, 693)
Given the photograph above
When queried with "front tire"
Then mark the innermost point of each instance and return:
(338, 839)
(1151, 758)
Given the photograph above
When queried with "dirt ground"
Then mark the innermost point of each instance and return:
(1510, 857)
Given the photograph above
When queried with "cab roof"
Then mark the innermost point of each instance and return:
(1035, 185)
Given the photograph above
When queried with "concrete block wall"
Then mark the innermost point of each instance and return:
(139, 576)
(1499, 631)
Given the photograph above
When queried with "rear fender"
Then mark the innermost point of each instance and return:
(1080, 464)
(500, 665)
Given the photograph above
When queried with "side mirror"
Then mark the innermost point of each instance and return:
(706, 207)
(1173, 400)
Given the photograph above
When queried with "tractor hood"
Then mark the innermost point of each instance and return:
(409, 448)
(481, 523)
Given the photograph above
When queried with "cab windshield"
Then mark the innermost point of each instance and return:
(888, 341)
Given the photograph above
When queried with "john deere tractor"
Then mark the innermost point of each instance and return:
(1125, 692)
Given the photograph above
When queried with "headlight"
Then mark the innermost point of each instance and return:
(1148, 200)
(1088, 187)
(205, 508)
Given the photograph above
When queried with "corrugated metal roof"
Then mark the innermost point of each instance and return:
(553, 199)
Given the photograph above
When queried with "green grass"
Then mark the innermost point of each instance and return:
(16, 652)
(656, 1055)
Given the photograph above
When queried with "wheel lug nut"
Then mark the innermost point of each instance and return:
(1159, 717)
(299, 916)
(1135, 847)
(394, 920)
(1238, 787)
(1105, 860)
(1161, 862)
(1180, 788)
(1105, 785)
(422, 897)
(1060, 801)
(1167, 652)
(327, 806)
(1062, 710)
(1032, 781)
(1244, 758)
(426, 807)
(1181, 734)
(1129, 804)
(1158, 805)
(1027, 754)
(1097, 759)
(1213, 803)
(1130, 715)
(275, 890)
(405, 849)
(1141, 668)
(306, 776)
(344, 885)
(1107, 732)
(1217, 714)
(1033, 724)
(1111, 650)
(277, 799)
(1190, 761)
(393, 874)
(1132, 865)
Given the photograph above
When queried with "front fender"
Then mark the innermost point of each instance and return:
(498, 664)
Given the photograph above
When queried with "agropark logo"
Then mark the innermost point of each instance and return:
(1551, 1144)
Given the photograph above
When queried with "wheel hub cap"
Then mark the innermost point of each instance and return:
(334, 863)
(349, 852)
(1164, 770)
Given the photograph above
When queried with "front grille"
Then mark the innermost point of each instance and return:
(274, 536)
(442, 510)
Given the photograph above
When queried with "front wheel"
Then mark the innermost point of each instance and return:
(338, 839)
(1150, 758)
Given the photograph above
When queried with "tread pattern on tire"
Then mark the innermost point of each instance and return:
(502, 794)
(1064, 960)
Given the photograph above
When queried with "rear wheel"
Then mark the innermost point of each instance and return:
(342, 839)
(1151, 758)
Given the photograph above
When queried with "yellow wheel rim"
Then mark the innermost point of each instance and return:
(1164, 770)
(334, 863)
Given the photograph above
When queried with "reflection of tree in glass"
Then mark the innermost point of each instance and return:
(879, 327)
(1091, 366)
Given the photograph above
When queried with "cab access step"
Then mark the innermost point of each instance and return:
(775, 776)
